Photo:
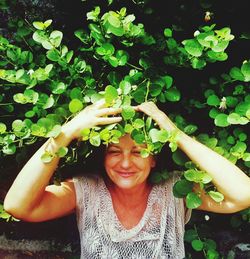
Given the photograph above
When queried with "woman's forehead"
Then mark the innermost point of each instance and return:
(121, 146)
(126, 141)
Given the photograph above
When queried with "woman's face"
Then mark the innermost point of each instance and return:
(124, 164)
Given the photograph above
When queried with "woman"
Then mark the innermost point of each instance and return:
(123, 216)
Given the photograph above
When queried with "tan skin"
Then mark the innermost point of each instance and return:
(30, 198)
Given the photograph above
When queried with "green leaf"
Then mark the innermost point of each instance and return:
(47, 44)
(138, 123)
(95, 139)
(117, 31)
(39, 36)
(158, 135)
(198, 63)
(128, 128)
(242, 108)
(128, 112)
(221, 120)
(56, 38)
(238, 148)
(62, 152)
(197, 245)
(39, 25)
(245, 69)
(47, 23)
(75, 106)
(234, 118)
(246, 157)
(125, 87)
(110, 94)
(193, 201)
(3, 128)
(113, 61)
(107, 49)
(139, 138)
(59, 88)
(236, 73)
(220, 56)
(49, 102)
(190, 129)
(139, 95)
(197, 176)
(190, 235)
(173, 94)
(220, 46)
(182, 188)
(47, 157)
(168, 81)
(155, 89)
(85, 134)
(9, 149)
(167, 32)
(53, 55)
(144, 153)
(216, 196)
(193, 47)
(114, 21)
(210, 244)
(179, 157)
(213, 100)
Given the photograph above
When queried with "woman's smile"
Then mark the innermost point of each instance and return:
(124, 164)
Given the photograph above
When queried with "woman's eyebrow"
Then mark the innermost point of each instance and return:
(113, 146)
(139, 146)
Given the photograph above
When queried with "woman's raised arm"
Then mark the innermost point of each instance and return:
(233, 183)
(30, 198)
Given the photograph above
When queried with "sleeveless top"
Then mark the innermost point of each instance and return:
(159, 233)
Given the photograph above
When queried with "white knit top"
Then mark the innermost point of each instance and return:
(159, 234)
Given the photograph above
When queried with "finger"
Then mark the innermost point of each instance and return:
(100, 103)
(108, 111)
(103, 121)
(136, 108)
(146, 108)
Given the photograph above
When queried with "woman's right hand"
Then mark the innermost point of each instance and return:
(89, 117)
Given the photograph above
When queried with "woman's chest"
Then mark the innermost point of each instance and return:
(129, 217)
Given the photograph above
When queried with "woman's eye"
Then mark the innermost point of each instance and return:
(136, 152)
(114, 151)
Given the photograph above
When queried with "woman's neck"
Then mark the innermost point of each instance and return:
(129, 197)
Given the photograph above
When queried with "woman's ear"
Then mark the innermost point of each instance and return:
(153, 162)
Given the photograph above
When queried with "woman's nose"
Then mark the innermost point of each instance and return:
(126, 161)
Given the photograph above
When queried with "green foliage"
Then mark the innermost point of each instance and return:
(201, 244)
(45, 81)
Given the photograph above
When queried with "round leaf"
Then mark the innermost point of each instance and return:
(221, 120)
(173, 94)
(197, 245)
(216, 196)
(193, 201)
(193, 47)
(75, 106)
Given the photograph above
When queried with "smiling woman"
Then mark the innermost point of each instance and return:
(125, 166)
(122, 215)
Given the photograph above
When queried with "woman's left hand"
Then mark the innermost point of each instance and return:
(157, 115)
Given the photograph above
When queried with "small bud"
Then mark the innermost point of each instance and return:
(223, 103)
(30, 72)
(196, 33)
(207, 217)
(134, 87)
(208, 16)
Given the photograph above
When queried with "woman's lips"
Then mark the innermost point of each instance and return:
(125, 174)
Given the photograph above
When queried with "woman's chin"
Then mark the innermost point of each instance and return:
(125, 183)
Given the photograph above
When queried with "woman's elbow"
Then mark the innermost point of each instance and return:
(15, 210)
